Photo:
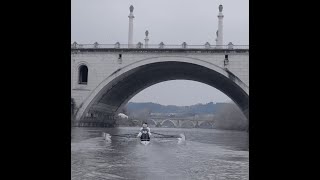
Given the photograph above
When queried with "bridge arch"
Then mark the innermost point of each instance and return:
(151, 122)
(118, 88)
(206, 124)
(168, 122)
(188, 124)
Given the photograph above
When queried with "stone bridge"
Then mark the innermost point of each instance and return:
(105, 77)
(180, 123)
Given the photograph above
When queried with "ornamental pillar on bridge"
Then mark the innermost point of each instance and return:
(130, 38)
(220, 28)
(146, 40)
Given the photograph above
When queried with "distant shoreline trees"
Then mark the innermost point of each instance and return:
(225, 116)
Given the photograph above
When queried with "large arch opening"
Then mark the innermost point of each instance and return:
(122, 86)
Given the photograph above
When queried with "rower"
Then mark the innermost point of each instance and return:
(144, 133)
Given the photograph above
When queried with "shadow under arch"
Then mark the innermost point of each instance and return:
(116, 90)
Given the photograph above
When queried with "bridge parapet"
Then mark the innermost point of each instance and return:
(158, 46)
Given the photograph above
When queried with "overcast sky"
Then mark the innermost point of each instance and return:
(171, 21)
(181, 93)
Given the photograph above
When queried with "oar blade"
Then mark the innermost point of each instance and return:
(106, 136)
(182, 139)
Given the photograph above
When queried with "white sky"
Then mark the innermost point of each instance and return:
(181, 93)
(171, 21)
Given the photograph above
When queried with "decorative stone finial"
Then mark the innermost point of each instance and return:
(220, 8)
(96, 45)
(131, 8)
(161, 45)
(147, 32)
(184, 45)
(139, 45)
(207, 45)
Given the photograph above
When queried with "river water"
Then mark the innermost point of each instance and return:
(206, 154)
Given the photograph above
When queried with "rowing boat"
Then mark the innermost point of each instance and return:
(145, 142)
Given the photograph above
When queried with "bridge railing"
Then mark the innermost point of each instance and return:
(155, 46)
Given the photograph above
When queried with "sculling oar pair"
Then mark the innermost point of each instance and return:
(107, 136)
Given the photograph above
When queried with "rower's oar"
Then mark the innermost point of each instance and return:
(160, 134)
(170, 136)
(108, 136)
(125, 135)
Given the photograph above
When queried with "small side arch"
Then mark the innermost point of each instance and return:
(187, 124)
(83, 74)
(168, 123)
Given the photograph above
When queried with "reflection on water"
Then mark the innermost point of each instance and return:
(207, 154)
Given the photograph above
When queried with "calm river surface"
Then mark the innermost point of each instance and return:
(206, 154)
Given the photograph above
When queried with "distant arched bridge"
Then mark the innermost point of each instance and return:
(180, 122)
